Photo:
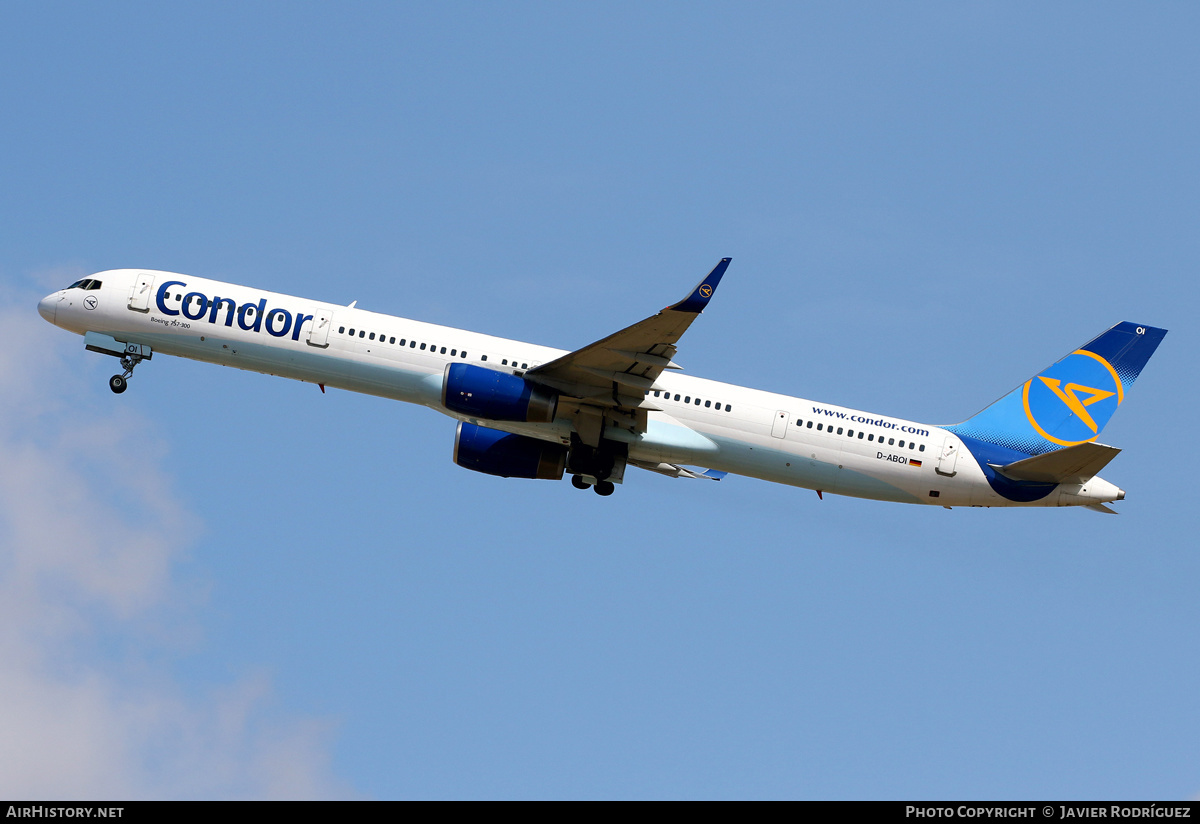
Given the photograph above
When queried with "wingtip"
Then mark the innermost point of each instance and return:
(705, 289)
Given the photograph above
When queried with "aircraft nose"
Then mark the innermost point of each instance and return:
(47, 306)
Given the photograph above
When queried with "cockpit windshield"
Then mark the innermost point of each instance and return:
(87, 284)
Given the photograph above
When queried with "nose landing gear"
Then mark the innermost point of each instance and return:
(119, 383)
(131, 354)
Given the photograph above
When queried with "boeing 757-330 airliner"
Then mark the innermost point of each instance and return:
(529, 411)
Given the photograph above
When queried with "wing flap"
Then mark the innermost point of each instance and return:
(677, 471)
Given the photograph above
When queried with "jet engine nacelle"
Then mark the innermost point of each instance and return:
(510, 456)
(495, 395)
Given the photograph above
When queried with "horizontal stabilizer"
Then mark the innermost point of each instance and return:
(1073, 465)
(1107, 510)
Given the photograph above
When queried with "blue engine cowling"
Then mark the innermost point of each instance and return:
(498, 396)
(510, 456)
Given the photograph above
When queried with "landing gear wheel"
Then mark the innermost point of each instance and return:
(578, 482)
(605, 488)
(118, 384)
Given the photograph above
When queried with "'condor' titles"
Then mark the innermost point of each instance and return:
(252, 317)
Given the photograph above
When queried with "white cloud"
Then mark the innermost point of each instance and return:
(80, 566)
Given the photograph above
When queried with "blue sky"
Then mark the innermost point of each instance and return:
(223, 584)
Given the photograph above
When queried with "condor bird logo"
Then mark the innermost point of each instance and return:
(705, 291)
(1071, 401)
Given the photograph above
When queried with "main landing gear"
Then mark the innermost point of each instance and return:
(598, 467)
(603, 488)
(119, 383)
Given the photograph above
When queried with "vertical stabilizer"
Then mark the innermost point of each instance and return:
(1069, 402)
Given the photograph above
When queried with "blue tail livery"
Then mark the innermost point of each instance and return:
(1069, 402)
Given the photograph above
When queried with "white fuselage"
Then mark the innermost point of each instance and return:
(693, 421)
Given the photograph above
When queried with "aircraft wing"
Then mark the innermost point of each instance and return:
(618, 370)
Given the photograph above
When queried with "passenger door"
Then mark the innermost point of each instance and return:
(139, 297)
(948, 458)
(318, 333)
(780, 425)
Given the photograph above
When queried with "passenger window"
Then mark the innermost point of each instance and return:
(412, 344)
(351, 333)
(697, 401)
(839, 430)
(849, 433)
(443, 350)
(687, 399)
(524, 366)
(676, 397)
(870, 437)
(179, 296)
(453, 352)
(372, 336)
(391, 340)
(860, 434)
(891, 441)
(820, 427)
(809, 425)
(402, 341)
(921, 448)
(505, 361)
(728, 408)
(464, 353)
(422, 347)
(708, 404)
(362, 333)
(483, 357)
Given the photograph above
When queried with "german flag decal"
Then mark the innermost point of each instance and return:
(914, 463)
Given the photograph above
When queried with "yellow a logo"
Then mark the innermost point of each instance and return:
(1067, 394)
